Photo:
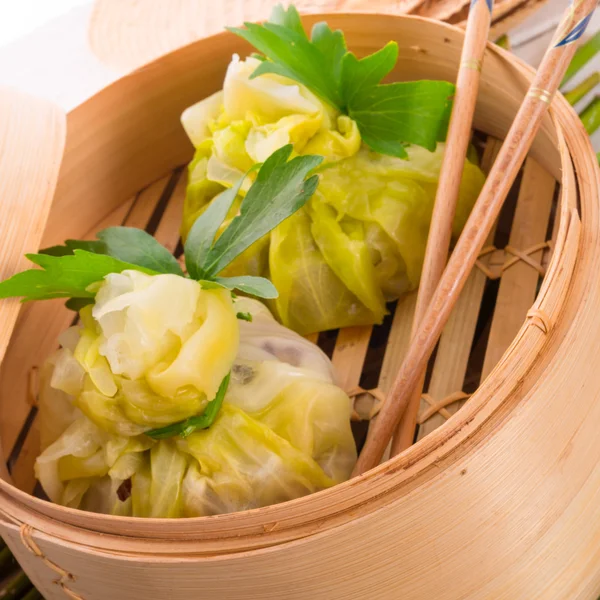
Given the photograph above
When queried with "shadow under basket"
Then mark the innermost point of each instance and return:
(496, 500)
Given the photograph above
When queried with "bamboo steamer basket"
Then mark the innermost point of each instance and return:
(500, 501)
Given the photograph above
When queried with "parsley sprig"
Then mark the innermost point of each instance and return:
(388, 116)
(282, 186)
(203, 421)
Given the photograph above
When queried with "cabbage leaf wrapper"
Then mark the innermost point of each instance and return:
(359, 242)
(153, 350)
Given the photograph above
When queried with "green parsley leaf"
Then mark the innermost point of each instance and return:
(70, 246)
(289, 18)
(389, 147)
(254, 286)
(291, 55)
(332, 46)
(388, 116)
(128, 244)
(244, 316)
(415, 111)
(63, 276)
(76, 304)
(209, 284)
(137, 247)
(280, 190)
(203, 232)
(359, 77)
(203, 421)
(248, 284)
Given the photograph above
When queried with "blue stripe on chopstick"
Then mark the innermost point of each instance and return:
(576, 32)
(490, 4)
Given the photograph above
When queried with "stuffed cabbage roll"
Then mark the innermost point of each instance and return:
(360, 240)
(156, 350)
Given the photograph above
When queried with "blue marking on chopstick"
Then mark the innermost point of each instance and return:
(576, 32)
(490, 4)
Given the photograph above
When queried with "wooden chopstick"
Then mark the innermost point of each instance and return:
(440, 231)
(486, 210)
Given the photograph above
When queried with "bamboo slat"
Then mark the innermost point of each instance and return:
(398, 340)
(349, 356)
(518, 284)
(454, 349)
(167, 232)
(146, 203)
(397, 346)
(313, 337)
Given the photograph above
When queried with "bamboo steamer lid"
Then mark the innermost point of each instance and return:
(499, 502)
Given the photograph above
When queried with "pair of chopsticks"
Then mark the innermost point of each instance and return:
(441, 284)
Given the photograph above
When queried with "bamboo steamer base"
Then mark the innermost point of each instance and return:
(495, 500)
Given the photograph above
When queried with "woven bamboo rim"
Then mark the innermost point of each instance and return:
(127, 33)
(382, 503)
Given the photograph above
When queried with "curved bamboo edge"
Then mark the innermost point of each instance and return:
(32, 134)
(306, 516)
(32, 139)
(126, 34)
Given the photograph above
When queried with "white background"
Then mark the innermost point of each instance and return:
(19, 17)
